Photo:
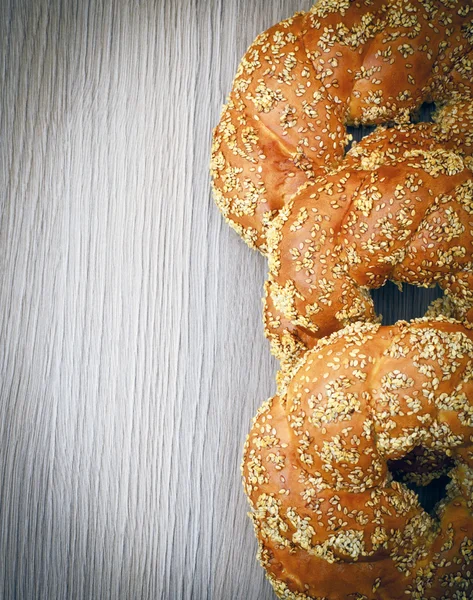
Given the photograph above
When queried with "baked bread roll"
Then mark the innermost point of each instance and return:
(343, 62)
(331, 522)
(399, 207)
(360, 408)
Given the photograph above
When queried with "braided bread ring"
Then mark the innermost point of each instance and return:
(399, 207)
(303, 80)
(331, 522)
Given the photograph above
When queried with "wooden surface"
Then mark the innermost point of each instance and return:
(131, 348)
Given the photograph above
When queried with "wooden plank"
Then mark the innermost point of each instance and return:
(133, 356)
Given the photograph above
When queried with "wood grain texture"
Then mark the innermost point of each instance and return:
(131, 343)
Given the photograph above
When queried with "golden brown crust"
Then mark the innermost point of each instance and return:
(330, 520)
(305, 78)
(399, 207)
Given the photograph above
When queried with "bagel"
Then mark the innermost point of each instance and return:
(399, 207)
(331, 522)
(305, 79)
(362, 410)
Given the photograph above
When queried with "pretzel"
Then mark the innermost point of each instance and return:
(303, 80)
(331, 521)
(399, 207)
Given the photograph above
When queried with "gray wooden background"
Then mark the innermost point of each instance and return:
(131, 348)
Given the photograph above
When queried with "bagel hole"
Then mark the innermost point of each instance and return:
(419, 464)
(430, 494)
(409, 302)
(423, 115)
(358, 133)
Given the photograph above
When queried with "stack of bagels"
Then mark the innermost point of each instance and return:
(361, 408)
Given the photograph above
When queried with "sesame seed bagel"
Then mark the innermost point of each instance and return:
(343, 62)
(399, 207)
(331, 521)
